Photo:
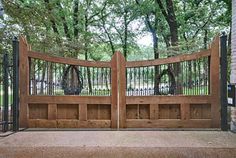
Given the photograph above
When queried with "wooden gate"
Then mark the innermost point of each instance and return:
(174, 92)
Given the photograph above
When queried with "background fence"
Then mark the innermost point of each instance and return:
(9, 107)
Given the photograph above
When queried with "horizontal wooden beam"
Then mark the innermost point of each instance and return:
(175, 99)
(43, 123)
(170, 60)
(69, 61)
(168, 123)
(68, 99)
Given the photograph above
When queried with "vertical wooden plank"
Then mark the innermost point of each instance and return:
(114, 91)
(138, 112)
(154, 111)
(164, 111)
(52, 111)
(206, 111)
(215, 83)
(185, 111)
(131, 111)
(92, 112)
(122, 90)
(144, 111)
(99, 111)
(23, 82)
(82, 112)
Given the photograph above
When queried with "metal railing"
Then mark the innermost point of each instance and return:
(9, 81)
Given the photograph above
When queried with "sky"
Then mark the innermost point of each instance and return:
(145, 40)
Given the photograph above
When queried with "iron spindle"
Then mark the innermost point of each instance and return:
(5, 89)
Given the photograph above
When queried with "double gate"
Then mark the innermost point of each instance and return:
(175, 92)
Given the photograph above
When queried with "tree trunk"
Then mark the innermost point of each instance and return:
(50, 79)
(156, 56)
(33, 78)
(125, 35)
(86, 52)
(205, 63)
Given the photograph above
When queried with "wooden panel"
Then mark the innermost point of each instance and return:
(168, 123)
(168, 111)
(206, 111)
(69, 61)
(144, 111)
(67, 123)
(176, 59)
(132, 111)
(52, 111)
(154, 111)
(185, 111)
(83, 124)
(82, 112)
(200, 111)
(38, 111)
(104, 112)
(92, 112)
(42, 123)
(70, 99)
(67, 111)
(99, 112)
(174, 111)
(177, 99)
(94, 124)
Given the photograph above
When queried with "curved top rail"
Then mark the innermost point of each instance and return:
(69, 61)
(170, 60)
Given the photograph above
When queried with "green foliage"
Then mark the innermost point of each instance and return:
(97, 28)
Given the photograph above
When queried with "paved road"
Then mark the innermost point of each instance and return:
(119, 144)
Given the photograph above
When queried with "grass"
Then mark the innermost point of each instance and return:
(203, 90)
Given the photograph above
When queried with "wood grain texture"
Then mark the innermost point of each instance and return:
(69, 61)
(24, 82)
(43, 123)
(154, 111)
(114, 91)
(168, 123)
(185, 111)
(67, 111)
(52, 111)
(83, 112)
(38, 111)
(122, 90)
(215, 82)
(177, 99)
(69, 99)
(170, 60)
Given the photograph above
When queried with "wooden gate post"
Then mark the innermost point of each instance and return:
(215, 82)
(122, 90)
(118, 108)
(24, 82)
(114, 91)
